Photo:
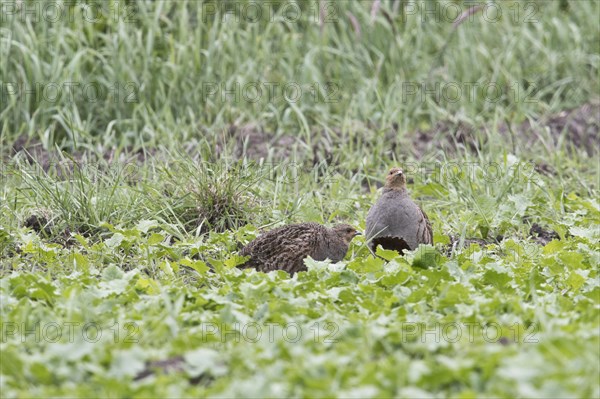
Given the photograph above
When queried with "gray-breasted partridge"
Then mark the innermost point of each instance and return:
(395, 221)
(285, 248)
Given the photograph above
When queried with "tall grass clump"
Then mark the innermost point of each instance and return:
(77, 195)
(204, 196)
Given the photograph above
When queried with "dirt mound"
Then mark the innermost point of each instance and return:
(577, 129)
(33, 152)
(254, 142)
(447, 136)
(541, 235)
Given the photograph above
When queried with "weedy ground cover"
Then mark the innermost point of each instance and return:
(144, 143)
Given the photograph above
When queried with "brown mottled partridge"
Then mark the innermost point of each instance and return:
(395, 221)
(285, 248)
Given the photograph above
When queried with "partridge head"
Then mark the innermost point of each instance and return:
(396, 179)
(345, 232)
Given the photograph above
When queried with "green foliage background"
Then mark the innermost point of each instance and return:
(153, 192)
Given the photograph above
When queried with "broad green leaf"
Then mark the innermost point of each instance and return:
(553, 246)
(165, 266)
(572, 259)
(145, 225)
(155, 238)
(197, 265)
(115, 241)
(112, 272)
(591, 233)
(500, 280)
(386, 254)
(80, 261)
(454, 294)
(204, 361)
(148, 285)
(235, 260)
(426, 256)
(370, 264)
(575, 280)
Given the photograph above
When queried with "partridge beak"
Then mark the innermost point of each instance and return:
(399, 173)
(357, 233)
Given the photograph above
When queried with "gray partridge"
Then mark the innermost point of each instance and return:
(395, 221)
(285, 248)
